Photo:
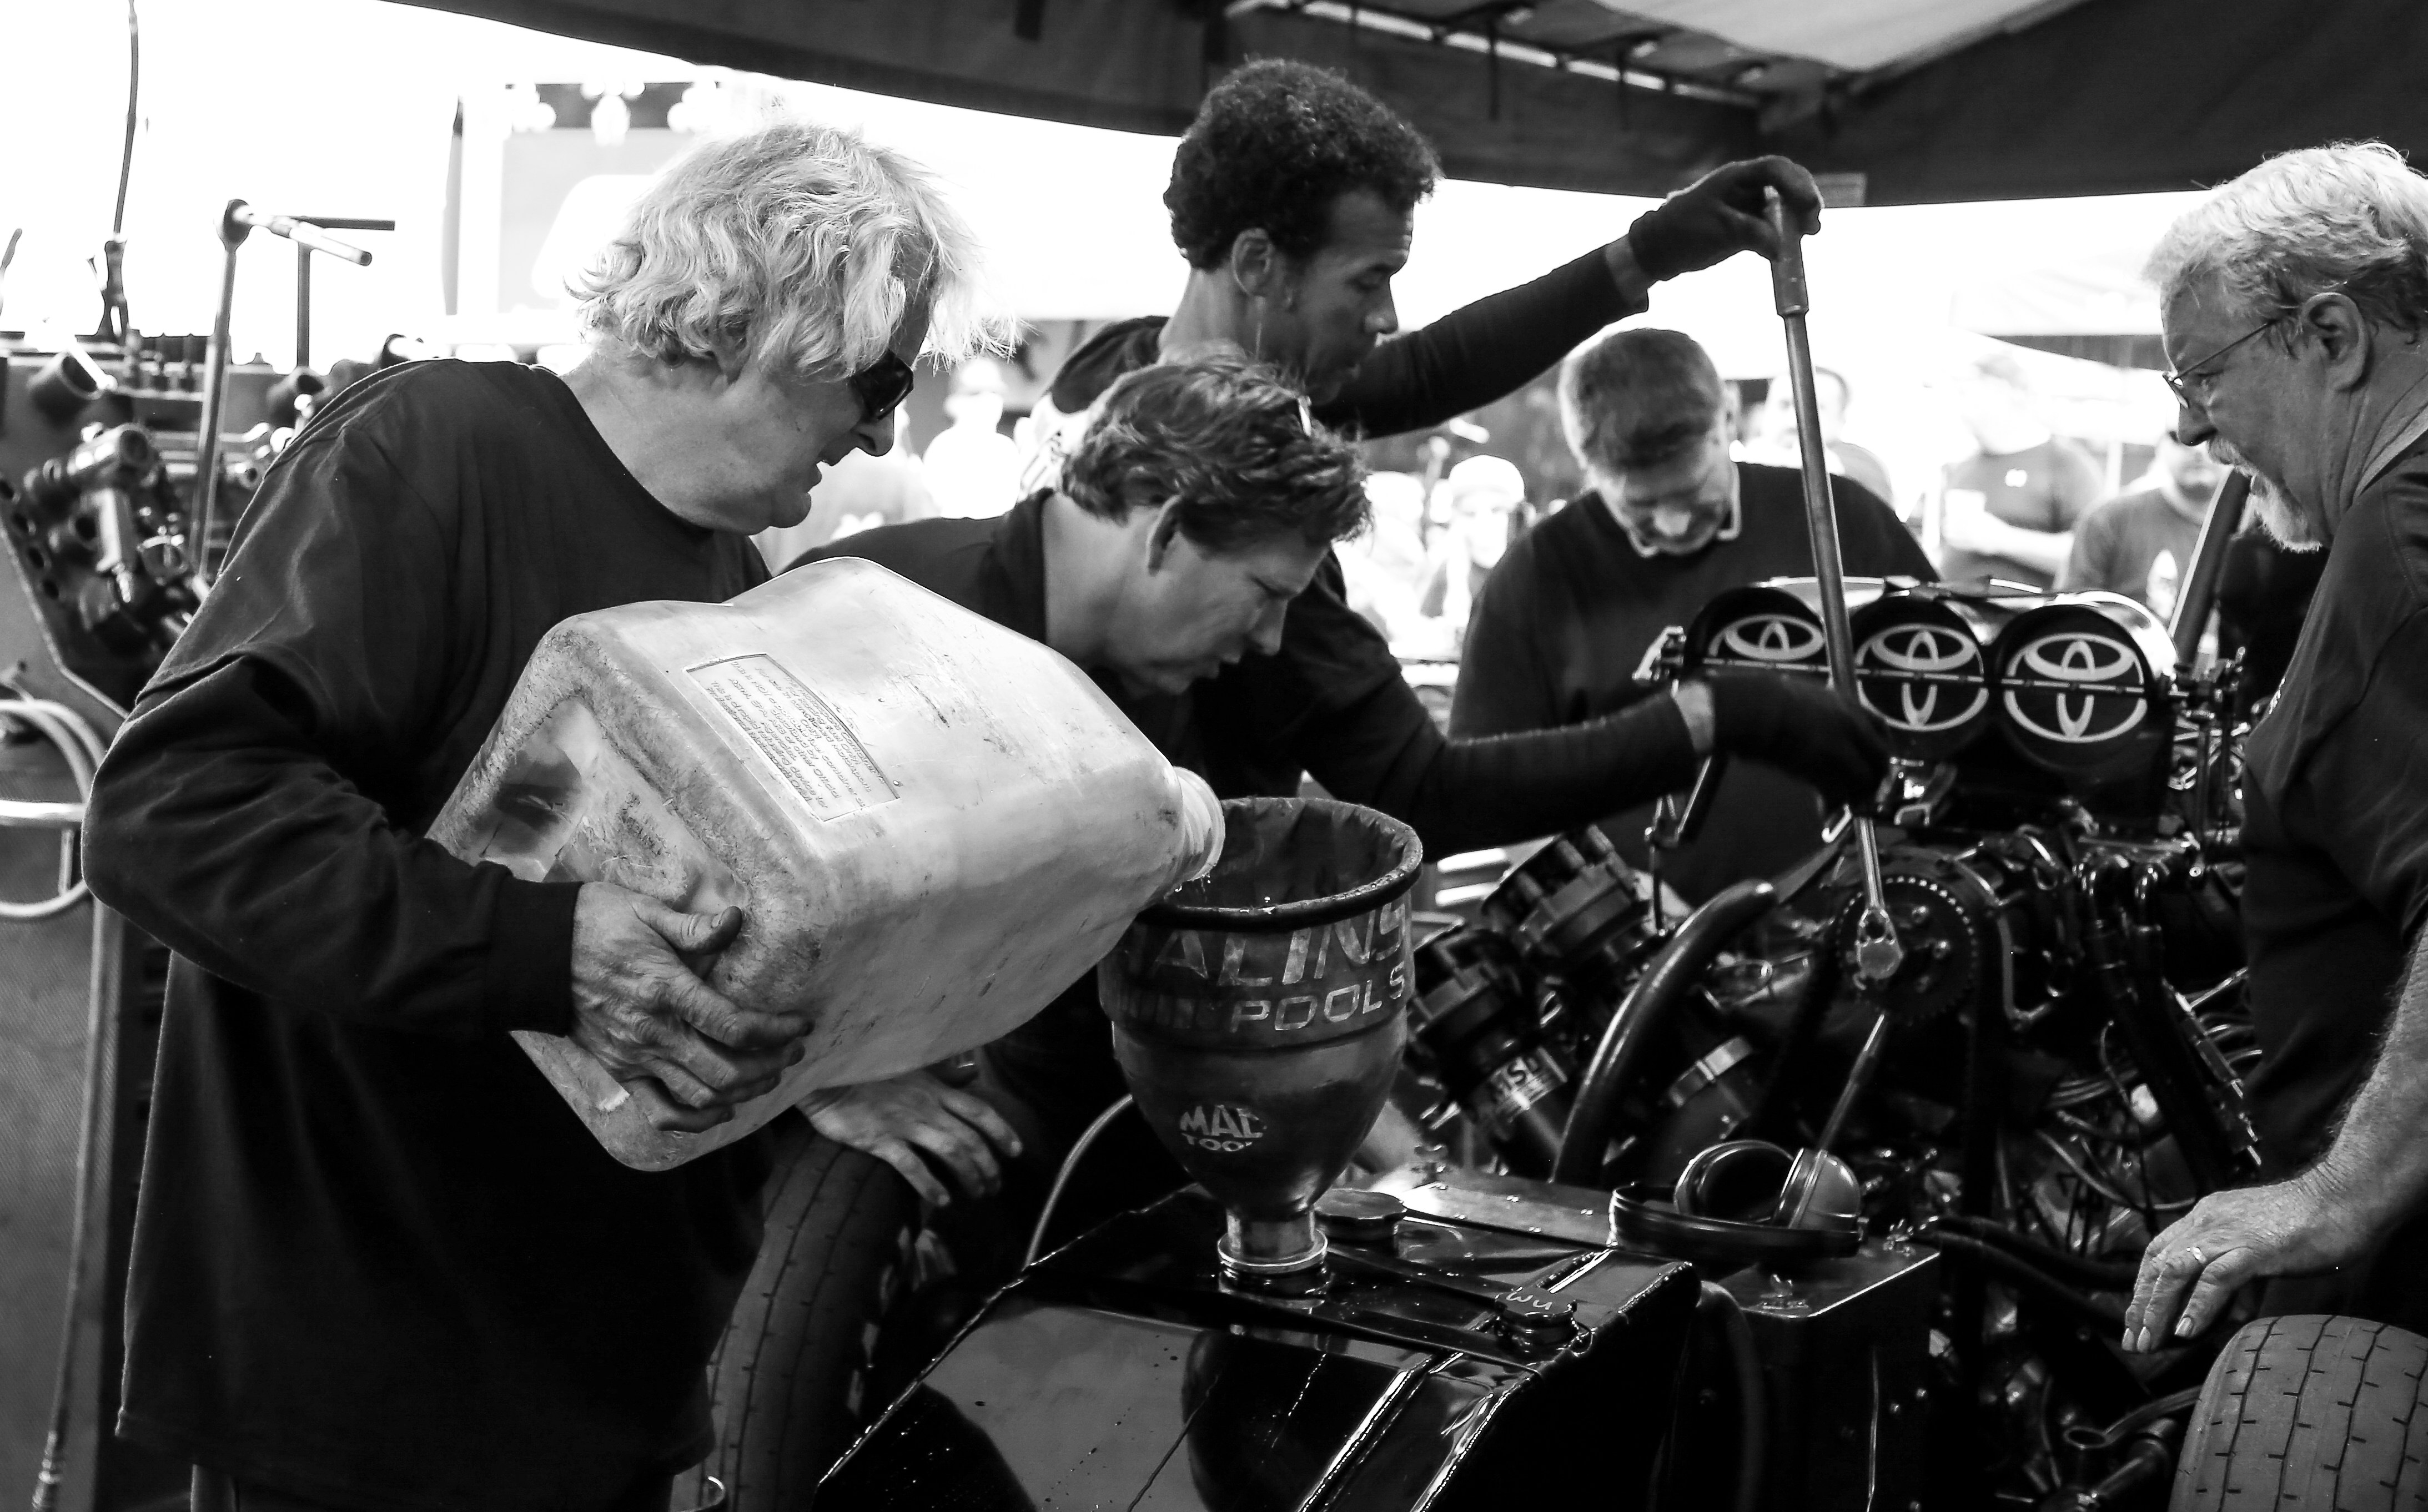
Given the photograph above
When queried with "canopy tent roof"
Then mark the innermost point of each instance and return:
(1847, 36)
(1901, 101)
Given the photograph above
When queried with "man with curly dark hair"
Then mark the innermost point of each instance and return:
(1145, 549)
(1293, 198)
(1182, 562)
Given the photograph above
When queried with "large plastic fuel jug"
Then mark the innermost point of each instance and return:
(933, 823)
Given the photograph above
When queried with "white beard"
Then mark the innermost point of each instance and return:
(2283, 519)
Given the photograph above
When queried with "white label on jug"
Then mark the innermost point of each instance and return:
(800, 734)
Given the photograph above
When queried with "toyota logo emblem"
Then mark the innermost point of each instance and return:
(1775, 638)
(2090, 668)
(1921, 648)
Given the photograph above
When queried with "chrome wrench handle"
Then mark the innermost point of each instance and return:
(1877, 954)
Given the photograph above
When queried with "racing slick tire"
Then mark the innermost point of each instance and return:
(793, 1382)
(2311, 1411)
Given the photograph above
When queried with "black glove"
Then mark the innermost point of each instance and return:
(1799, 725)
(1720, 214)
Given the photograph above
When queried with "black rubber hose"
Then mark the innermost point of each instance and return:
(91, 1209)
(2018, 1272)
(2140, 1418)
(1753, 1421)
(1656, 994)
(2089, 1275)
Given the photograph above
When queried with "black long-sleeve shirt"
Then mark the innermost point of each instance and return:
(1331, 703)
(1464, 361)
(1556, 637)
(377, 1261)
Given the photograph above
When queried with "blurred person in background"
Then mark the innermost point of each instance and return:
(1382, 567)
(1483, 498)
(973, 468)
(2139, 544)
(1774, 439)
(2009, 512)
(1667, 522)
(860, 493)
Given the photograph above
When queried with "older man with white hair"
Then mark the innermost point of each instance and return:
(376, 1266)
(2294, 300)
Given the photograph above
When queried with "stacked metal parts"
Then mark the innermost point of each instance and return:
(2046, 696)
(2047, 1077)
(108, 527)
(1911, 1197)
(98, 467)
(94, 469)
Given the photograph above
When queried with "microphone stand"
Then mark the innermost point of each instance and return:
(236, 223)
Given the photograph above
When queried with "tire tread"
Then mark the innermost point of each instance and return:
(2310, 1412)
(839, 1226)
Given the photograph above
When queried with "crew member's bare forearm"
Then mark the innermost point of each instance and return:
(2375, 1173)
(2373, 1176)
(2378, 1163)
(2037, 550)
(2044, 551)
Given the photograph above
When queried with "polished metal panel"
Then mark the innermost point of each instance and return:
(1443, 1366)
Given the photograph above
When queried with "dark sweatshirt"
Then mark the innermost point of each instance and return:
(1331, 703)
(377, 1261)
(1464, 361)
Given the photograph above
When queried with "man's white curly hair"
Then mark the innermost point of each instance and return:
(798, 246)
(2352, 217)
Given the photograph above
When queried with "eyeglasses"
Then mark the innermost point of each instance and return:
(2191, 384)
(881, 386)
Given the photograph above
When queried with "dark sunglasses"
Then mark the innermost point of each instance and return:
(882, 386)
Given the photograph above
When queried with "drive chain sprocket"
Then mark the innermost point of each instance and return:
(1943, 950)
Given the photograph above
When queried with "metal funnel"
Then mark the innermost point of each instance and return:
(1257, 1015)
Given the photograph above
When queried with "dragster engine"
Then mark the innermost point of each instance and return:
(1828, 1193)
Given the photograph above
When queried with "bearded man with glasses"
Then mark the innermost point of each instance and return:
(375, 1266)
(2295, 300)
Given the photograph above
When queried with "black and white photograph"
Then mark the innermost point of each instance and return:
(1213, 756)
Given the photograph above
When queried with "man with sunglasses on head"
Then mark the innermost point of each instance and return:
(2295, 301)
(376, 1267)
